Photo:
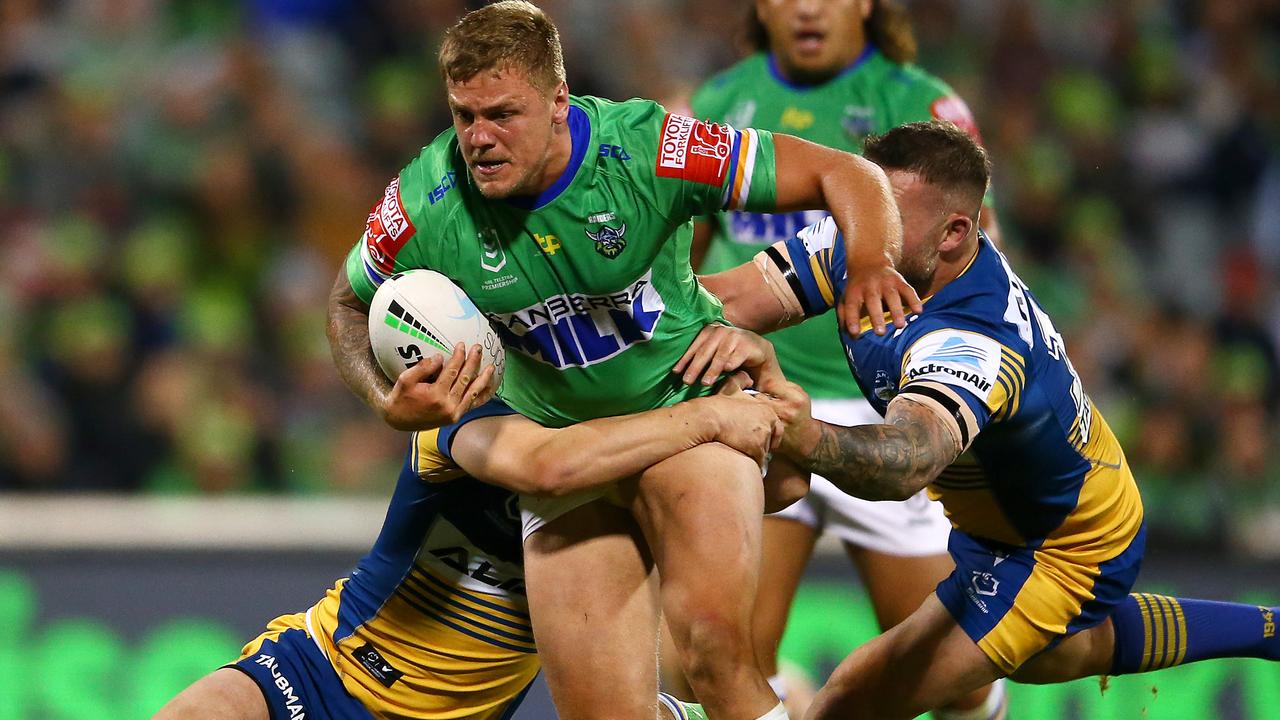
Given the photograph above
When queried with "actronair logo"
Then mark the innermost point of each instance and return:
(291, 702)
(963, 359)
(581, 330)
(404, 321)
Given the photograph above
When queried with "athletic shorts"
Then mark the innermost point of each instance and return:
(913, 527)
(297, 679)
(1015, 602)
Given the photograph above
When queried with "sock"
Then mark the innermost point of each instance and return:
(779, 686)
(681, 710)
(994, 707)
(1157, 631)
(777, 713)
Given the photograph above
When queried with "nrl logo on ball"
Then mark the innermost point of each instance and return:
(609, 240)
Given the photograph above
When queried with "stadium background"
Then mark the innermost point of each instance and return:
(179, 180)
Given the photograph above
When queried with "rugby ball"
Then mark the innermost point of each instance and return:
(420, 313)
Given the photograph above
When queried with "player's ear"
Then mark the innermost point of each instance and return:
(560, 104)
(956, 230)
(865, 7)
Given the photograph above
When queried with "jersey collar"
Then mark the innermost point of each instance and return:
(580, 136)
(772, 61)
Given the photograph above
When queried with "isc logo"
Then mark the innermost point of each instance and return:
(614, 151)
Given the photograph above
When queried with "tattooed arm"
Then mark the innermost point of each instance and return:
(431, 394)
(892, 461)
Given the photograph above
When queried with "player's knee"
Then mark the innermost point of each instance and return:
(716, 649)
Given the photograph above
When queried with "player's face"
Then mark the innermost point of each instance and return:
(924, 221)
(814, 39)
(507, 131)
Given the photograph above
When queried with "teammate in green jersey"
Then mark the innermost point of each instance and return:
(566, 220)
(831, 71)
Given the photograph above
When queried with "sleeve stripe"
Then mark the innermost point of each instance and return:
(949, 403)
(823, 282)
(740, 189)
(789, 273)
(734, 167)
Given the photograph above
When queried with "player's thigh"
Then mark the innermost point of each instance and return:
(697, 505)
(924, 662)
(786, 546)
(224, 694)
(898, 584)
(1083, 654)
(594, 612)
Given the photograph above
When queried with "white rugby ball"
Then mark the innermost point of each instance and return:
(420, 313)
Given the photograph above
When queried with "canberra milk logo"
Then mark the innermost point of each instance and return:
(959, 358)
(581, 330)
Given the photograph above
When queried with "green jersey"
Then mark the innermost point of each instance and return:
(871, 96)
(588, 283)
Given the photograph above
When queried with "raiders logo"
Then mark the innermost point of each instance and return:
(609, 240)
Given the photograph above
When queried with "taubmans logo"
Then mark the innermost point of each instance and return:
(609, 240)
(296, 709)
(581, 330)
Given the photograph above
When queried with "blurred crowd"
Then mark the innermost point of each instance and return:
(180, 179)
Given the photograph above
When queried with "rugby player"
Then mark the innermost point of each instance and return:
(983, 408)
(433, 623)
(832, 72)
(566, 220)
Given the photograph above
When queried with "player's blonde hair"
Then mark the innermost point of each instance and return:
(512, 34)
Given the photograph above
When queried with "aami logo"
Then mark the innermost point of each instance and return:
(582, 330)
(291, 702)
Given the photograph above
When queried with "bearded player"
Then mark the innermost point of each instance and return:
(833, 72)
(983, 407)
(566, 220)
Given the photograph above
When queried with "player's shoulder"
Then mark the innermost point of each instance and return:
(917, 94)
(432, 180)
(712, 98)
(982, 300)
(634, 115)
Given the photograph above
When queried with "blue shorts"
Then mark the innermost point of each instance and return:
(1015, 602)
(297, 679)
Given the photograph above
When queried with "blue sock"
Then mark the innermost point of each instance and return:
(1158, 631)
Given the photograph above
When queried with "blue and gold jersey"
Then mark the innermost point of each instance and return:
(433, 623)
(1040, 469)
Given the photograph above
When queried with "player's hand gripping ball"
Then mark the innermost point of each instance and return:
(421, 313)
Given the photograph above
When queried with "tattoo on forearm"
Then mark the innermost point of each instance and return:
(883, 462)
(348, 331)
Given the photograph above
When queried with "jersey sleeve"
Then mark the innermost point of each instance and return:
(387, 230)
(960, 369)
(432, 450)
(812, 262)
(719, 166)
